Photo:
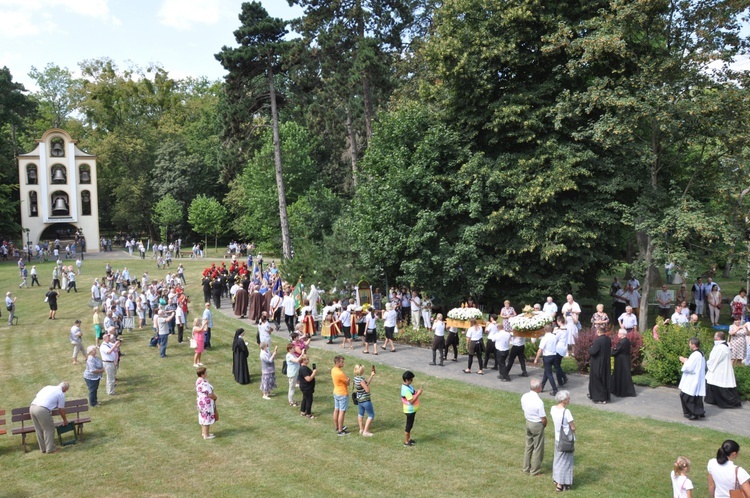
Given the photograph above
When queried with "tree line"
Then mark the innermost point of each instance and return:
(464, 147)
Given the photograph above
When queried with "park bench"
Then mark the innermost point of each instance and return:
(73, 411)
(2, 423)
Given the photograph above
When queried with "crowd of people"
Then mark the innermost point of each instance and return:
(257, 293)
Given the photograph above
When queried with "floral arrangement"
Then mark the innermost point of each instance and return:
(530, 320)
(465, 314)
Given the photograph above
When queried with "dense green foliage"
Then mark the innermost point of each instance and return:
(662, 357)
(206, 215)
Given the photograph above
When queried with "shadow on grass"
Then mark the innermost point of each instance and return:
(587, 474)
(234, 431)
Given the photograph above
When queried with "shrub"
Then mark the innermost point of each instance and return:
(742, 374)
(636, 351)
(420, 338)
(531, 349)
(645, 380)
(661, 358)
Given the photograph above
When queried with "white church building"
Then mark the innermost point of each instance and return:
(57, 187)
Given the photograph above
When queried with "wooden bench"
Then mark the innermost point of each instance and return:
(73, 410)
(2, 422)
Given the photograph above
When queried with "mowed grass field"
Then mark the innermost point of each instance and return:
(146, 440)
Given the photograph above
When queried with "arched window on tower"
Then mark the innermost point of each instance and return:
(60, 204)
(59, 174)
(85, 203)
(84, 174)
(33, 207)
(57, 147)
(31, 174)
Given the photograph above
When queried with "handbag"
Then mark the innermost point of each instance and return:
(46, 299)
(354, 398)
(737, 491)
(284, 367)
(193, 343)
(566, 442)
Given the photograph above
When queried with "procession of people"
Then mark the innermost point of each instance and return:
(258, 294)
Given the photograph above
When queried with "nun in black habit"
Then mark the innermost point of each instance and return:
(622, 380)
(240, 354)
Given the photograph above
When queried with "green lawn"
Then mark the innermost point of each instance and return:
(146, 441)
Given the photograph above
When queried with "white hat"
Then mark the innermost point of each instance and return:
(350, 307)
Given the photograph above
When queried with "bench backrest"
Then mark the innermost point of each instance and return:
(73, 406)
(20, 414)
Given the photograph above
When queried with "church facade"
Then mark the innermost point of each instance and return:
(57, 187)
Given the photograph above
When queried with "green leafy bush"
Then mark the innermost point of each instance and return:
(661, 358)
(645, 380)
(742, 374)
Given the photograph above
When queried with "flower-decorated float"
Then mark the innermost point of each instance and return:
(461, 317)
(530, 323)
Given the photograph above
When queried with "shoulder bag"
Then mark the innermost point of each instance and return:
(737, 491)
(566, 442)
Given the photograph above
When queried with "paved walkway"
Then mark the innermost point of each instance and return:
(661, 403)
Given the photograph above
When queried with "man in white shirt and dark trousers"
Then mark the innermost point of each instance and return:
(501, 338)
(547, 348)
(289, 315)
(46, 400)
(489, 351)
(518, 345)
(536, 421)
(275, 304)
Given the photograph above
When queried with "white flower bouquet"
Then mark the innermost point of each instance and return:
(465, 314)
(530, 322)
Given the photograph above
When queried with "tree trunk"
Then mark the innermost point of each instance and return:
(286, 245)
(352, 145)
(646, 246)
(728, 264)
(366, 91)
(367, 94)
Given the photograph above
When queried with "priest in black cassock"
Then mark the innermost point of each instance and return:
(240, 354)
(622, 381)
(599, 370)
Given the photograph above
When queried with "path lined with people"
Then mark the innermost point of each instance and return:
(660, 403)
